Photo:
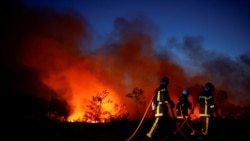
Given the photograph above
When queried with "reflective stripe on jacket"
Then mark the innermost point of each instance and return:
(161, 100)
(206, 105)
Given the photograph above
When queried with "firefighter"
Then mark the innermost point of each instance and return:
(160, 105)
(183, 109)
(206, 103)
(183, 105)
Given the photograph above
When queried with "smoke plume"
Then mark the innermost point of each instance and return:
(47, 57)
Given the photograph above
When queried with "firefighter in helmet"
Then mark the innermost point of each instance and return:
(183, 109)
(160, 107)
(207, 107)
(183, 105)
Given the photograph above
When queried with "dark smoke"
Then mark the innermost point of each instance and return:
(40, 44)
(22, 87)
(229, 74)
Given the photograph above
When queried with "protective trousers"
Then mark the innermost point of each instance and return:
(160, 125)
(205, 125)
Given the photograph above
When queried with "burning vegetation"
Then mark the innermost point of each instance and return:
(50, 70)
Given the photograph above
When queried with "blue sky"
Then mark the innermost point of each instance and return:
(224, 25)
(195, 41)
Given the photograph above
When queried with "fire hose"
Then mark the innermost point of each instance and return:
(139, 125)
(173, 115)
(183, 123)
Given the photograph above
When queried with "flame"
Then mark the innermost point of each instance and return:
(50, 46)
(195, 115)
(81, 86)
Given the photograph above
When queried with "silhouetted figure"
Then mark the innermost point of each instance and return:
(183, 105)
(183, 109)
(161, 127)
(207, 108)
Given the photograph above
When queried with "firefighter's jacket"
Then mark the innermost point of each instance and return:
(160, 101)
(207, 104)
(182, 107)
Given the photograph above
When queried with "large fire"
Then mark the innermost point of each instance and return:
(83, 86)
(58, 48)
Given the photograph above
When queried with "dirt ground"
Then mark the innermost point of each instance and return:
(50, 130)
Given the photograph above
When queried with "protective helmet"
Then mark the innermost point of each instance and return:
(164, 81)
(185, 92)
(208, 86)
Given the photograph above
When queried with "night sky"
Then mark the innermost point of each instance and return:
(223, 25)
(66, 52)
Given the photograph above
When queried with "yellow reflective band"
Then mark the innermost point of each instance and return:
(152, 130)
(158, 96)
(163, 89)
(204, 97)
(158, 114)
(204, 115)
(206, 129)
(179, 117)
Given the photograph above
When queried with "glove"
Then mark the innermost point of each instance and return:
(153, 106)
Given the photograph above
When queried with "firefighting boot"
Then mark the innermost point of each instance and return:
(146, 138)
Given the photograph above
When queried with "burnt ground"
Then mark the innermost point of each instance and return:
(226, 129)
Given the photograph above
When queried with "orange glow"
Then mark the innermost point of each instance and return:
(82, 86)
(75, 75)
(195, 114)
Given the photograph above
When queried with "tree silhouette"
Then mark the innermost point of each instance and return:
(120, 112)
(95, 107)
(137, 95)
